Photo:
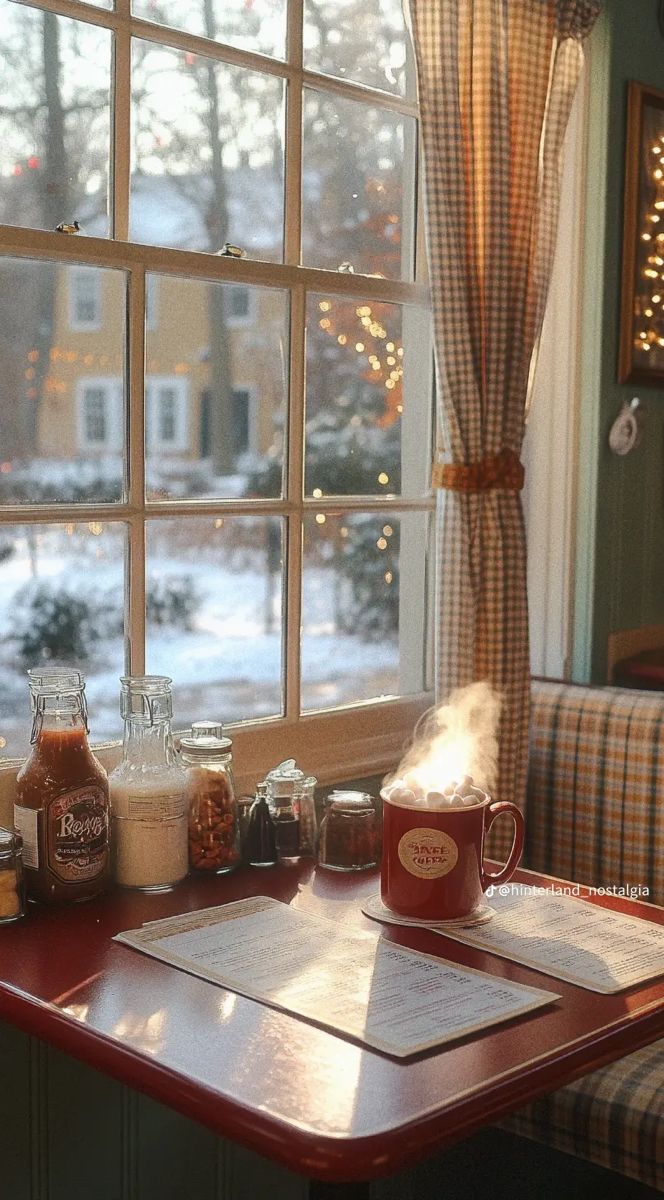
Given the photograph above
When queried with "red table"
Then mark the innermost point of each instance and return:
(319, 1104)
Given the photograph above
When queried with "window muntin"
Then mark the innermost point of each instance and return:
(186, 261)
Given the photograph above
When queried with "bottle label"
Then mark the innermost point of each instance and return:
(77, 834)
(25, 821)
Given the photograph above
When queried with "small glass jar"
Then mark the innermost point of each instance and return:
(308, 824)
(349, 833)
(12, 887)
(214, 827)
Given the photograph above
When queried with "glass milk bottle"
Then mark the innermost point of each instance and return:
(148, 791)
(61, 808)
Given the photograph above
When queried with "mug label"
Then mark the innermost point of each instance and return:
(427, 853)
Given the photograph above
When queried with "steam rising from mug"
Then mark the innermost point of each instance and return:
(451, 742)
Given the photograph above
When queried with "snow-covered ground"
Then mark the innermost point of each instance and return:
(227, 666)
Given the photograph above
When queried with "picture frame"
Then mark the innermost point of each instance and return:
(641, 351)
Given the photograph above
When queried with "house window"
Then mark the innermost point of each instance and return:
(255, 430)
(85, 298)
(99, 416)
(167, 414)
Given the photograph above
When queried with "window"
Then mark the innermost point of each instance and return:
(100, 416)
(247, 438)
(85, 298)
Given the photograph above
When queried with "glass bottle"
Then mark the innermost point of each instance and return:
(62, 807)
(214, 828)
(12, 889)
(260, 845)
(148, 791)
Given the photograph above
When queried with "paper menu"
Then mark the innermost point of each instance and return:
(571, 939)
(353, 982)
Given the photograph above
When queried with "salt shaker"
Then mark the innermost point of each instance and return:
(12, 889)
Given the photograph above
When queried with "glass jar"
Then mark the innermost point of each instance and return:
(349, 833)
(149, 791)
(214, 828)
(12, 889)
(308, 823)
(62, 806)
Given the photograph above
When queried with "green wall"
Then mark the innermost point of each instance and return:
(620, 564)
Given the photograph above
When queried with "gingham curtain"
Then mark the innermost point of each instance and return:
(496, 81)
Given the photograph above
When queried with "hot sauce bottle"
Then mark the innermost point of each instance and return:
(62, 806)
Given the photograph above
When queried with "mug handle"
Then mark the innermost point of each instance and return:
(495, 810)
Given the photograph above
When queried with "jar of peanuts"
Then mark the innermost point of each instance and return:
(214, 828)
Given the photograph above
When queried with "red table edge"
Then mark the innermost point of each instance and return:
(325, 1157)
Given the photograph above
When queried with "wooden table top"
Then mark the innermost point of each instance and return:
(318, 1103)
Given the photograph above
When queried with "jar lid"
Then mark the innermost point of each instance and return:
(350, 801)
(205, 747)
(11, 843)
(287, 770)
(207, 729)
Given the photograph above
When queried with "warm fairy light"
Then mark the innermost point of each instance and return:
(375, 366)
(390, 360)
(317, 493)
(390, 346)
(388, 577)
(381, 543)
(645, 237)
(219, 523)
(389, 384)
(400, 351)
(342, 339)
(325, 306)
(325, 323)
(383, 478)
(95, 528)
(399, 408)
(648, 312)
(343, 532)
(388, 530)
(320, 518)
(33, 356)
(366, 321)
(359, 346)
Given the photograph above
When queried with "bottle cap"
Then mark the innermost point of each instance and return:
(146, 698)
(207, 729)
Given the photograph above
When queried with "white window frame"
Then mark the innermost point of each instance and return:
(76, 276)
(361, 738)
(154, 385)
(112, 391)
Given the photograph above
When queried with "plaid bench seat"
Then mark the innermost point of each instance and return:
(595, 814)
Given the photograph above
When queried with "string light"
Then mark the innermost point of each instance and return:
(649, 302)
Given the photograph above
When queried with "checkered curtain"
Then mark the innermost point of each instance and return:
(496, 81)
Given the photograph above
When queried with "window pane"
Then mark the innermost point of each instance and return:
(62, 396)
(207, 154)
(359, 186)
(54, 120)
(218, 370)
(368, 398)
(214, 615)
(361, 572)
(258, 25)
(61, 601)
(357, 40)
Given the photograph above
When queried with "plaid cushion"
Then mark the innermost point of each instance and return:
(594, 810)
(614, 1117)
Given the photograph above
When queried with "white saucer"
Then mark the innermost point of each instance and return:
(373, 907)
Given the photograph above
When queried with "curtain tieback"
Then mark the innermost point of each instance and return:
(503, 472)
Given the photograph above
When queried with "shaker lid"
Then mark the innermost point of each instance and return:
(207, 729)
(350, 801)
(205, 747)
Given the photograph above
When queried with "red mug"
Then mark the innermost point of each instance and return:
(433, 858)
